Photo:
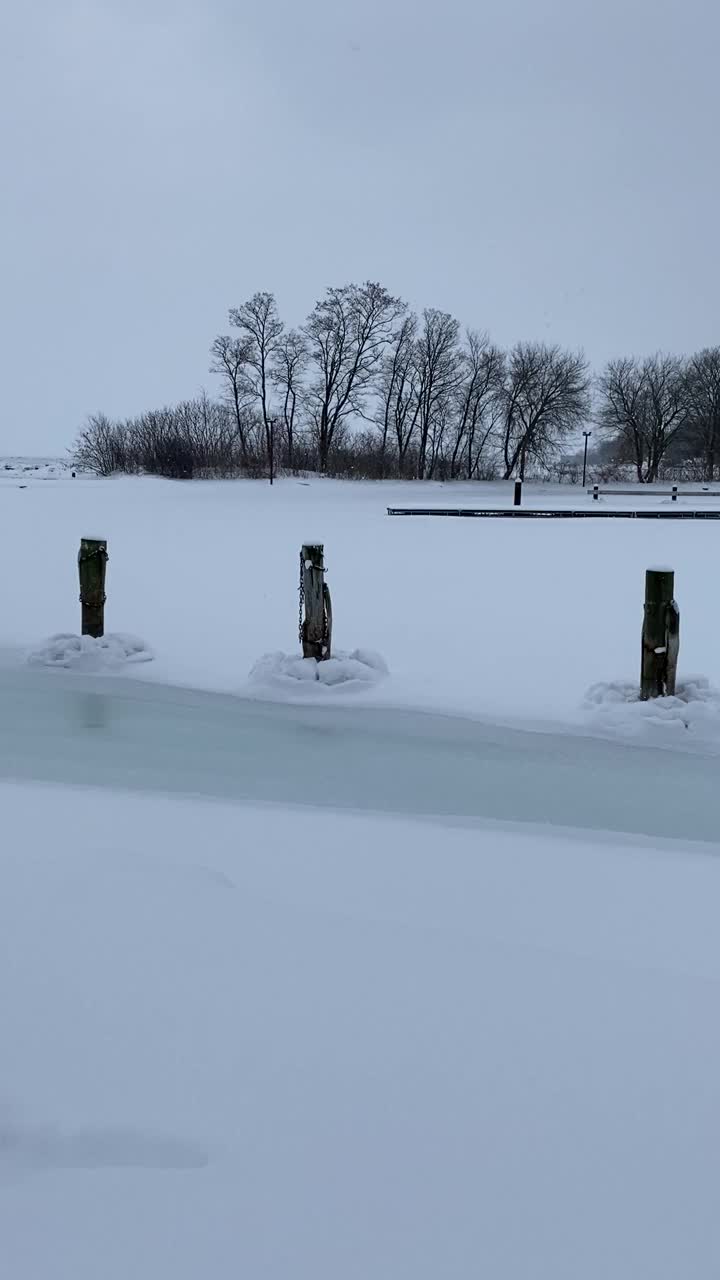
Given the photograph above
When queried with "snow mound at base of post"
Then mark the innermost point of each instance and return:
(344, 671)
(695, 707)
(85, 653)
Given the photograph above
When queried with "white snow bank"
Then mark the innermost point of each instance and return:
(34, 468)
(695, 708)
(285, 1045)
(354, 670)
(88, 654)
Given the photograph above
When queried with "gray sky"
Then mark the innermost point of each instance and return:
(542, 168)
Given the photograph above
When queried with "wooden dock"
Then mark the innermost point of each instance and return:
(527, 513)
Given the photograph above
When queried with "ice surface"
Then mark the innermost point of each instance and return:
(69, 726)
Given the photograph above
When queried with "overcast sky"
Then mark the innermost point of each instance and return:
(541, 168)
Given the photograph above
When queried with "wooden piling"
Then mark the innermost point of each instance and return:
(596, 492)
(673, 647)
(92, 560)
(328, 620)
(673, 497)
(517, 495)
(316, 638)
(660, 636)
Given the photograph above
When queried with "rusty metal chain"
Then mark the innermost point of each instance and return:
(301, 599)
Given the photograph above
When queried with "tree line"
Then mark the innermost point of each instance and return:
(366, 387)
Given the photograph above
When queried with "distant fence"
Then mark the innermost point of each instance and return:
(673, 493)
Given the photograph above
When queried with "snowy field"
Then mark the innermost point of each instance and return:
(252, 1042)
(502, 620)
(404, 981)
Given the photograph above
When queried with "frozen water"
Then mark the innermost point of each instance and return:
(66, 726)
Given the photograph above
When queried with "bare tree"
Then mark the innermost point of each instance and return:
(436, 404)
(346, 335)
(100, 446)
(195, 437)
(291, 359)
(703, 387)
(202, 432)
(230, 362)
(437, 359)
(478, 402)
(545, 397)
(644, 405)
(261, 329)
(398, 400)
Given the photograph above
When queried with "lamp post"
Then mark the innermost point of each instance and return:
(587, 435)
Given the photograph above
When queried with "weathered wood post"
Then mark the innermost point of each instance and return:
(315, 627)
(660, 636)
(674, 493)
(92, 559)
(517, 495)
(328, 619)
(596, 492)
(673, 647)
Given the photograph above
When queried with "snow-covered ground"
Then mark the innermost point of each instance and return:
(261, 1042)
(317, 981)
(19, 471)
(502, 620)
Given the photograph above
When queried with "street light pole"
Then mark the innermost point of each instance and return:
(587, 435)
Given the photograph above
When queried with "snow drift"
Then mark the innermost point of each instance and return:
(345, 671)
(694, 709)
(85, 653)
